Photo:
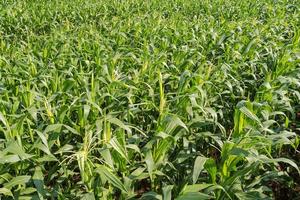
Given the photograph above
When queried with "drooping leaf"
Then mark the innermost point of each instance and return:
(119, 123)
(113, 179)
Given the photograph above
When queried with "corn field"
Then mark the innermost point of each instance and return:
(149, 99)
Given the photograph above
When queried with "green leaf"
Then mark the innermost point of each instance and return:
(105, 153)
(86, 111)
(119, 124)
(44, 139)
(16, 149)
(119, 148)
(64, 149)
(52, 127)
(38, 180)
(4, 121)
(250, 115)
(251, 195)
(167, 192)
(28, 190)
(72, 130)
(139, 174)
(19, 180)
(151, 196)
(113, 179)
(88, 196)
(211, 168)
(6, 192)
(150, 163)
(198, 167)
(195, 188)
(9, 159)
(5, 177)
(194, 196)
(285, 160)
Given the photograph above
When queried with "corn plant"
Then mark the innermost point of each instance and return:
(161, 100)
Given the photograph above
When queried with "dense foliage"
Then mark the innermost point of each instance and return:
(143, 99)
